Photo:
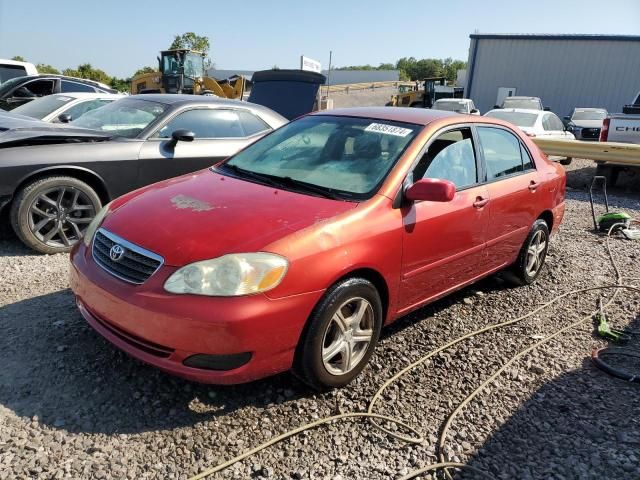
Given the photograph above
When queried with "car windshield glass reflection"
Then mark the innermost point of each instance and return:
(517, 118)
(349, 156)
(123, 118)
(589, 115)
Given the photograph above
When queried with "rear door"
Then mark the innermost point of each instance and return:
(513, 186)
(219, 133)
(443, 242)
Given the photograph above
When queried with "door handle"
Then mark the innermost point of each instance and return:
(533, 185)
(480, 202)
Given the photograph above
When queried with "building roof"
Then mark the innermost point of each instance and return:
(554, 36)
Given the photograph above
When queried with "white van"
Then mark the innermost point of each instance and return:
(12, 69)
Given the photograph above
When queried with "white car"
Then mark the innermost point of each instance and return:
(64, 107)
(459, 105)
(12, 68)
(535, 123)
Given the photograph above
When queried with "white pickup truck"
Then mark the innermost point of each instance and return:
(622, 128)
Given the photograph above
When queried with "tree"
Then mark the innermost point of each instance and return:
(142, 70)
(191, 41)
(87, 71)
(45, 68)
(19, 58)
(120, 84)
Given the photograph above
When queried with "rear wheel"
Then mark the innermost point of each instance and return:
(533, 254)
(51, 214)
(341, 336)
(566, 161)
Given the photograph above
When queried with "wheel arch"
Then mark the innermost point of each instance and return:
(547, 216)
(85, 175)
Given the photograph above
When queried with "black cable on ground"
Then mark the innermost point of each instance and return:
(596, 356)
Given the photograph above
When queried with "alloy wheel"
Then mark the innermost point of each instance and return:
(535, 253)
(59, 216)
(347, 336)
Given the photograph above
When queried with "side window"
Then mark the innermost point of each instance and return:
(546, 122)
(205, 123)
(37, 88)
(251, 124)
(556, 123)
(502, 152)
(67, 86)
(450, 157)
(527, 161)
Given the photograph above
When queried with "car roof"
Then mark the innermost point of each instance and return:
(79, 95)
(177, 100)
(589, 109)
(519, 110)
(418, 116)
(522, 97)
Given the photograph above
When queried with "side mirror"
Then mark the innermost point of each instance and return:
(546, 109)
(183, 135)
(474, 111)
(432, 190)
(497, 106)
(64, 118)
(566, 117)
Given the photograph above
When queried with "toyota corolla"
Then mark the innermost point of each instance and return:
(293, 253)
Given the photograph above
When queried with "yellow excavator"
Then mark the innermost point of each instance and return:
(182, 71)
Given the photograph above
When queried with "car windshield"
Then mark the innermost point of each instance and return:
(589, 115)
(450, 106)
(521, 103)
(520, 119)
(123, 118)
(41, 107)
(342, 157)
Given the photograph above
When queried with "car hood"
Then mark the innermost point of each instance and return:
(587, 123)
(18, 130)
(205, 215)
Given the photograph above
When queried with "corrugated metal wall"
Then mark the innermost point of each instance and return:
(565, 73)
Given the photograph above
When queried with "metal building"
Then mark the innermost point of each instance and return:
(565, 71)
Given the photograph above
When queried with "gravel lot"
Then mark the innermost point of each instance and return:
(72, 406)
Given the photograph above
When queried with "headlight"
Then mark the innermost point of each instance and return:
(229, 275)
(95, 224)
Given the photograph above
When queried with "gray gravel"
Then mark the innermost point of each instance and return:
(72, 406)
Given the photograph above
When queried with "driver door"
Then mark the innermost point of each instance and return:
(443, 242)
(219, 133)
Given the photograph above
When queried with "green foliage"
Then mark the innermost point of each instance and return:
(87, 71)
(413, 69)
(44, 68)
(191, 41)
(19, 58)
(142, 70)
(120, 84)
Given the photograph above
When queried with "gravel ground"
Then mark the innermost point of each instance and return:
(72, 406)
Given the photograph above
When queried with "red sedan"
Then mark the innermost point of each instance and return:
(294, 253)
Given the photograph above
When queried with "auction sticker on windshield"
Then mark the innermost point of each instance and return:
(388, 129)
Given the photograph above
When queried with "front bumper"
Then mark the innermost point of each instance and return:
(164, 329)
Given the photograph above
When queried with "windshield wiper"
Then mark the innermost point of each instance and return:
(284, 182)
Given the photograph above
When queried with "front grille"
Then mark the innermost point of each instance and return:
(135, 265)
(590, 133)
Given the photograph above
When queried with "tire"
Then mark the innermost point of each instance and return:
(416, 105)
(68, 213)
(566, 161)
(323, 336)
(523, 268)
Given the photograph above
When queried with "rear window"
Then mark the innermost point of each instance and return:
(521, 103)
(589, 115)
(7, 72)
(450, 106)
(519, 119)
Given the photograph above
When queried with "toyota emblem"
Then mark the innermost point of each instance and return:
(116, 252)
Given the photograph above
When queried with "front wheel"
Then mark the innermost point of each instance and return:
(533, 253)
(566, 161)
(341, 336)
(51, 214)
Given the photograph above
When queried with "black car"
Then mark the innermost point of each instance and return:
(54, 178)
(20, 90)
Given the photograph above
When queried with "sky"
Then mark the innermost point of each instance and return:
(122, 36)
